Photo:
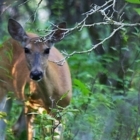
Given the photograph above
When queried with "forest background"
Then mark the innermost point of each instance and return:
(102, 47)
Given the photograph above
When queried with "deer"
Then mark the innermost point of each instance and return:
(27, 59)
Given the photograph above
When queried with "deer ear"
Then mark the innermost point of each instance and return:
(16, 31)
(58, 33)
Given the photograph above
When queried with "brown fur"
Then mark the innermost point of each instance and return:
(14, 75)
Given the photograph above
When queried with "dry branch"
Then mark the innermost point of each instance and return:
(108, 20)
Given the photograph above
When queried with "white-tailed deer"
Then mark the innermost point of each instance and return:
(24, 59)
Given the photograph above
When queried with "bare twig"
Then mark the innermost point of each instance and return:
(62, 61)
(24, 2)
(108, 20)
(35, 11)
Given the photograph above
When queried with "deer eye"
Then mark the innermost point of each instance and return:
(46, 51)
(26, 50)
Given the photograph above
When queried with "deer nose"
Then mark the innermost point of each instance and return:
(36, 75)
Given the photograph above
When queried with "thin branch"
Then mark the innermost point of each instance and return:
(108, 20)
(35, 11)
(62, 61)
(24, 2)
(114, 2)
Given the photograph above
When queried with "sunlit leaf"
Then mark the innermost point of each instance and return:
(137, 10)
(134, 1)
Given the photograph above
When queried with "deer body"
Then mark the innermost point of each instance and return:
(27, 59)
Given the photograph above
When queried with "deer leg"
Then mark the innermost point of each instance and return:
(19, 128)
(5, 107)
(29, 120)
(23, 128)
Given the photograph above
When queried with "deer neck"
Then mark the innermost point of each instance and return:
(46, 88)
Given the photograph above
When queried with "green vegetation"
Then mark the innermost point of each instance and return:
(106, 80)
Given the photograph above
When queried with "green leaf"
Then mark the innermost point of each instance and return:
(125, 48)
(48, 138)
(3, 115)
(134, 1)
(81, 86)
(49, 126)
(137, 10)
(56, 134)
(50, 118)
(64, 95)
(137, 61)
(130, 70)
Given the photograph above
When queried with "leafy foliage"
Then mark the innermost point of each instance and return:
(105, 103)
(133, 1)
